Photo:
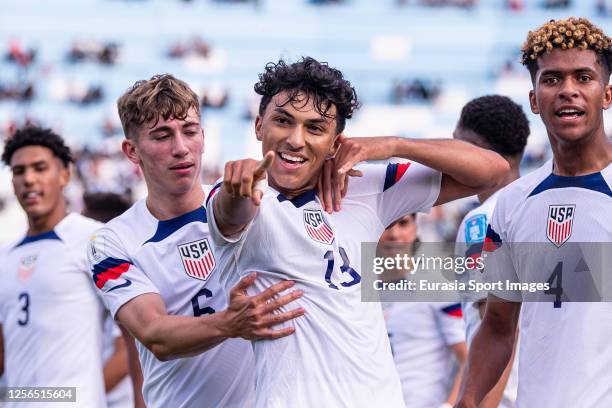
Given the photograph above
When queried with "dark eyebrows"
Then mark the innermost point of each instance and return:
(23, 166)
(161, 129)
(282, 111)
(579, 70)
(320, 120)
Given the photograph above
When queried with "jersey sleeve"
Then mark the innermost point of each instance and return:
(499, 268)
(450, 321)
(113, 272)
(218, 238)
(400, 188)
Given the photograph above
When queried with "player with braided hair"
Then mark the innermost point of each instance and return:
(564, 356)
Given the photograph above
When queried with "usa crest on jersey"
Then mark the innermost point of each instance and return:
(559, 225)
(316, 228)
(198, 259)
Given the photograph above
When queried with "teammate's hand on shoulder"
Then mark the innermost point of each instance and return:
(253, 317)
(247, 178)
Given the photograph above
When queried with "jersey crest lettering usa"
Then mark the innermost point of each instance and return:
(317, 228)
(198, 259)
(559, 225)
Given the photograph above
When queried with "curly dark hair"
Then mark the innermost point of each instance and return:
(566, 34)
(326, 85)
(499, 121)
(37, 136)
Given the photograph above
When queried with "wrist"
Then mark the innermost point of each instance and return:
(222, 324)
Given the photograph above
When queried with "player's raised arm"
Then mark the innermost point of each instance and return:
(250, 317)
(466, 169)
(243, 187)
(490, 351)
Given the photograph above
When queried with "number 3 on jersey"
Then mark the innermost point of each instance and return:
(345, 268)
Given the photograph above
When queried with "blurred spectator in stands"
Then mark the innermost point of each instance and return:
(19, 55)
(215, 97)
(515, 5)
(251, 109)
(110, 128)
(415, 90)
(91, 50)
(107, 173)
(456, 3)
(196, 46)
(326, 1)
(85, 96)
(22, 91)
(603, 7)
(549, 4)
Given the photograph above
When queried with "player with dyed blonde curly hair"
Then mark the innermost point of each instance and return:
(564, 353)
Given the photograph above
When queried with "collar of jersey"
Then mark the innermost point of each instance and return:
(166, 228)
(593, 181)
(33, 238)
(299, 200)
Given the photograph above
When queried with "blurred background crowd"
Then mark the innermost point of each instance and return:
(414, 64)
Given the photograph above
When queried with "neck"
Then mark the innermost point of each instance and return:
(167, 206)
(291, 194)
(45, 223)
(586, 156)
(510, 177)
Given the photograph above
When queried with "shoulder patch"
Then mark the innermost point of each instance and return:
(476, 228)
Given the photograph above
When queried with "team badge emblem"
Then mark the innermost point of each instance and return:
(317, 228)
(476, 228)
(198, 259)
(27, 264)
(559, 225)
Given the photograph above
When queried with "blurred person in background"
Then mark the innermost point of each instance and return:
(427, 338)
(155, 265)
(497, 123)
(118, 351)
(52, 319)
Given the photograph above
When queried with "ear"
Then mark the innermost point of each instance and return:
(533, 103)
(258, 124)
(607, 97)
(65, 173)
(129, 150)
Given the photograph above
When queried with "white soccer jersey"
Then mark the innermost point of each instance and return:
(470, 238)
(421, 334)
(135, 254)
(564, 352)
(52, 317)
(339, 355)
(122, 395)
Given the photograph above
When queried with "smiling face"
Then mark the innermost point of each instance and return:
(570, 93)
(301, 137)
(169, 154)
(39, 178)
